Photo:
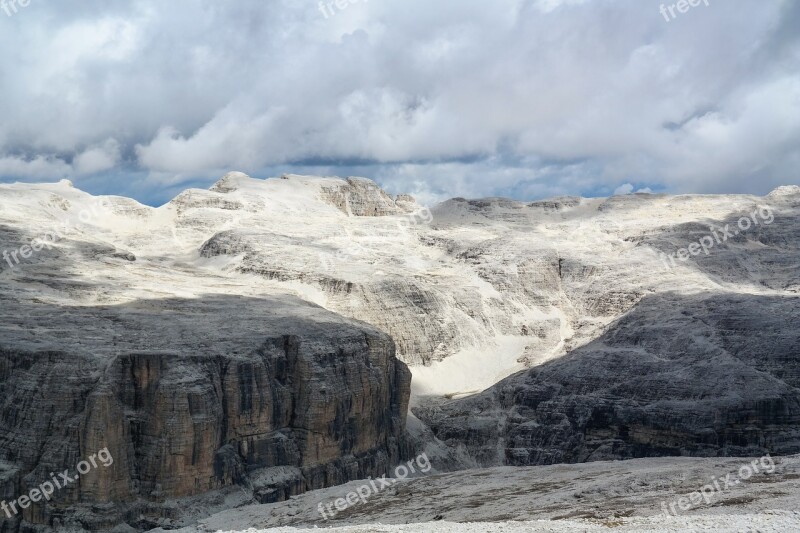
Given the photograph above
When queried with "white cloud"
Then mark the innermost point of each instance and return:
(452, 98)
(40, 168)
(97, 158)
(628, 188)
(623, 190)
(547, 6)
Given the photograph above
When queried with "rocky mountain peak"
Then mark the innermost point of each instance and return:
(229, 182)
(786, 190)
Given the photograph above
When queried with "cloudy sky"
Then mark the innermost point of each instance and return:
(440, 98)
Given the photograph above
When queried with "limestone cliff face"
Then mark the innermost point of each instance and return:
(362, 197)
(108, 333)
(190, 397)
(706, 375)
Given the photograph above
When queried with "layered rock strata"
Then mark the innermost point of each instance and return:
(705, 375)
(190, 396)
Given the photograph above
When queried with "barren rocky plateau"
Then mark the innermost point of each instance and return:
(252, 342)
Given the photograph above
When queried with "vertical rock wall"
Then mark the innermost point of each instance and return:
(325, 407)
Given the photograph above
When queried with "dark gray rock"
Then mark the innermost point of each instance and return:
(191, 396)
(709, 375)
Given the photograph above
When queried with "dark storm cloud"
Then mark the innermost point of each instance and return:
(447, 98)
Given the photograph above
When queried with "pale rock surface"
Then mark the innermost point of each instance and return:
(598, 496)
(110, 338)
(489, 287)
(484, 290)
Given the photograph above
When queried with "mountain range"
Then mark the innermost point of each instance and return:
(257, 340)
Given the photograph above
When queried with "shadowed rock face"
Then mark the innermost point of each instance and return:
(765, 255)
(275, 396)
(679, 375)
(190, 396)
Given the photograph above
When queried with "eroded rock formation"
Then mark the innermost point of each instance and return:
(102, 327)
(705, 375)
(190, 396)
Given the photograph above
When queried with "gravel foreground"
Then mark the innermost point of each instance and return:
(778, 521)
(591, 497)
